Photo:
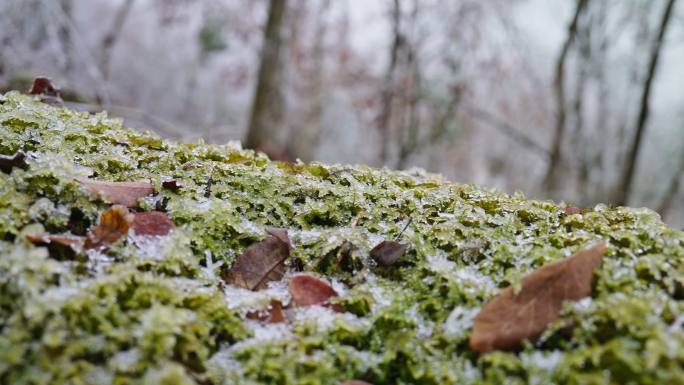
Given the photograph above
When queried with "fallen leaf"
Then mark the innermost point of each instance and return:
(274, 313)
(154, 223)
(573, 210)
(43, 85)
(74, 242)
(8, 162)
(387, 252)
(261, 262)
(120, 193)
(308, 291)
(114, 223)
(47, 91)
(173, 185)
(510, 318)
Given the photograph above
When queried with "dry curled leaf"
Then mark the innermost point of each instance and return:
(74, 242)
(43, 85)
(308, 291)
(173, 185)
(8, 162)
(387, 252)
(114, 223)
(510, 318)
(274, 313)
(46, 89)
(120, 193)
(261, 262)
(153, 223)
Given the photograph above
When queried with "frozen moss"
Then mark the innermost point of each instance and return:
(155, 312)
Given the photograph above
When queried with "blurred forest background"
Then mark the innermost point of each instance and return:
(573, 100)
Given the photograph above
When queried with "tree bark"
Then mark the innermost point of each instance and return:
(625, 184)
(388, 86)
(303, 140)
(267, 115)
(672, 190)
(65, 36)
(551, 177)
(111, 37)
(408, 137)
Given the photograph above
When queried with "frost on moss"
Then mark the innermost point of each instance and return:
(155, 311)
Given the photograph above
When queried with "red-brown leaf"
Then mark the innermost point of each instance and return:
(308, 291)
(121, 193)
(114, 224)
(153, 223)
(43, 85)
(387, 252)
(510, 318)
(8, 162)
(261, 262)
(274, 313)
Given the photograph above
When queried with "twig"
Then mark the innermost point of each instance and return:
(396, 237)
(356, 219)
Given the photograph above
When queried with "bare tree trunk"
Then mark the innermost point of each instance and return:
(112, 36)
(625, 184)
(551, 178)
(581, 142)
(267, 116)
(408, 137)
(672, 190)
(303, 140)
(65, 36)
(388, 86)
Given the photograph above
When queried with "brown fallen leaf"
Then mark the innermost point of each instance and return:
(261, 262)
(74, 242)
(387, 252)
(48, 92)
(153, 223)
(8, 162)
(510, 318)
(573, 210)
(120, 193)
(274, 313)
(43, 85)
(173, 185)
(308, 291)
(114, 224)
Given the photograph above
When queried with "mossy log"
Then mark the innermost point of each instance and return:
(157, 311)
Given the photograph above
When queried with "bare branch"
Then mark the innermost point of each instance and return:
(512, 132)
(550, 179)
(625, 185)
(111, 37)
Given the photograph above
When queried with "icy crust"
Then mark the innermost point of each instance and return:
(154, 310)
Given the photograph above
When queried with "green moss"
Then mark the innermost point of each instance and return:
(155, 311)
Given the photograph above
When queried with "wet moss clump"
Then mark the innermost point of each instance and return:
(156, 311)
